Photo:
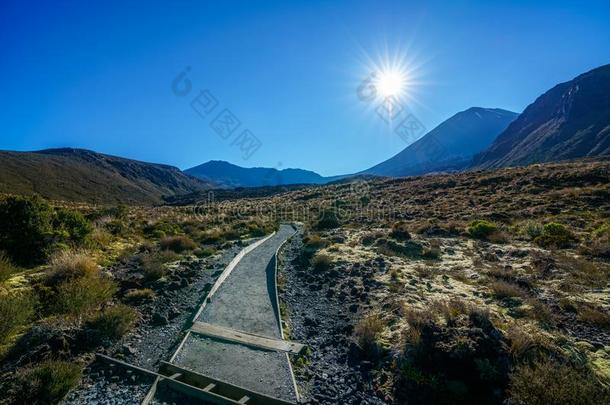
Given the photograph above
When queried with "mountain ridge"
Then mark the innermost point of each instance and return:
(570, 120)
(87, 176)
(231, 175)
(450, 146)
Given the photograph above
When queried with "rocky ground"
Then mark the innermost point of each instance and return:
(322, 311)
(159, 331)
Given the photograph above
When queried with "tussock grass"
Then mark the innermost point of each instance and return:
(48, 382)
(549, 382)
(7, 269)
(178, 244)
(16, 310)
(112, 322)
(69, 265)
(368, 331)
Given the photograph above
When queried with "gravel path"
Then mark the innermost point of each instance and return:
(246, 301)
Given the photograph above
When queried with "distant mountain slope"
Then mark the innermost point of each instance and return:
(569, 121)
(231, 175)
(86, 176)
(449, 146)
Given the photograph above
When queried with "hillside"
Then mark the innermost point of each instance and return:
(86, 176)
(569, 121)
(449, 146)
(231, 175)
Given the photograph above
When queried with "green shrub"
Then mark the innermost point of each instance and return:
(81, 295)
(400, 231)
(6, 267)
(555, 235)
(152, 267)
(15, 311)
(321, 262)
(113, 322)
(25, 229)
(30, 229)
(231, 234)
(533, 229)
(481, 229)
(410, 249)
(48, 382)
(212, 236)
(328, 220)
(72, 224)
(549, 382)
(204, 252)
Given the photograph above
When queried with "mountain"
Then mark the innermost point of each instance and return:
(231, 175)
(570, 120)
(86, 176)
(449, 146)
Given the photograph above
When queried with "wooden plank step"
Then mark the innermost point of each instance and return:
(172, 381)
(226, 390)
(245, 338)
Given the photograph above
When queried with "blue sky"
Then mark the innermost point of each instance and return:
(99, 76)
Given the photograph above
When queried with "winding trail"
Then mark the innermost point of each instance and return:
(245, 301)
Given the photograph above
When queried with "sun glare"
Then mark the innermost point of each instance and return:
(390, 83)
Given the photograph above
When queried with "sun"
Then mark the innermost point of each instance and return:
(390, 83)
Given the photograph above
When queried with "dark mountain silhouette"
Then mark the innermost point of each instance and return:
(449, 146)
(231, 175)
(569, 121)
(86, 176)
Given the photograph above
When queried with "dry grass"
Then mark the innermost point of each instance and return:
(549, 382)
(505, 290)
(178, 244)
(69, 265)
(368, 330)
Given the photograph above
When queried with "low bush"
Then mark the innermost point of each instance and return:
(532, 229)
(505, 290)
(6, 267)
(550, 382)
(481, 229)
(113, 322)
(400, 231)
(314, 242)
(555, 235)
(204, 252)
(69, 265)
(72, 225)
(368, 331)
(78, 296)
(48, 382)
(592, 315)
(211, 237)
(461, 360)
(529, 345)
(321, 262)
(25, 229)
(178, 244)
(138, 296)
(410, 249)
(328, 220)
(30, 229)
(15, 311)
(152, 268)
